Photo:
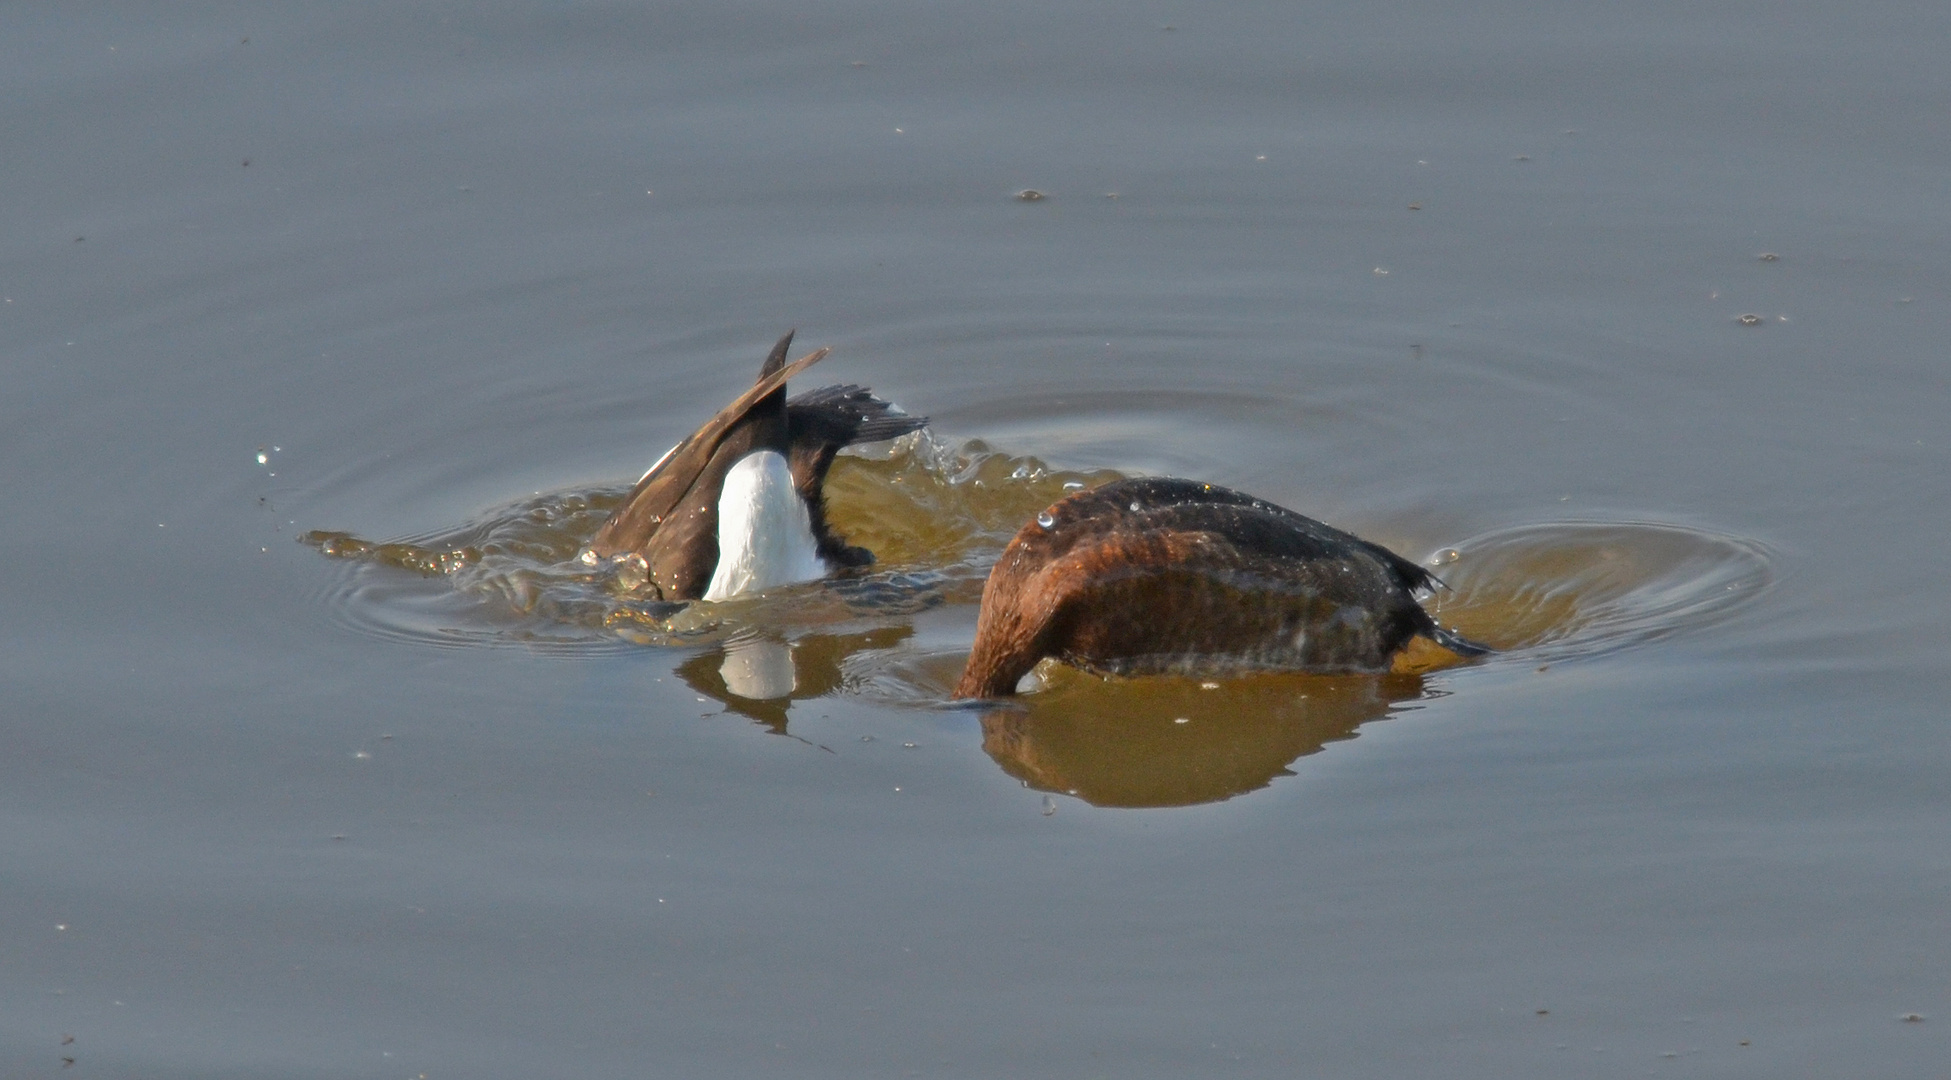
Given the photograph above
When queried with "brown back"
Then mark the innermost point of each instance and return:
(1160, 575)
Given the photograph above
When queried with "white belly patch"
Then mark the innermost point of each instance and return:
(765, 534)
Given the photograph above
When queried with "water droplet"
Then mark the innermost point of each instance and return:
(1768, 256)
(1182, 719)
(1134, 506)
(1073, 485)
(263, 458)
(1208, 686)
(867, 738)
(1029, 195)
(587, 558)
(1750, 320)
(907, 746)
(1046, 519)
(1049, 806)
(1445, 557)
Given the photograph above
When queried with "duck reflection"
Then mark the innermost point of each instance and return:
(759, 677)
(1177, 742)
(1145, 742)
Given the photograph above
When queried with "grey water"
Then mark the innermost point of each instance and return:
(1636, 315)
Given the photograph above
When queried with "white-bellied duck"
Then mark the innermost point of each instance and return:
(1161, 576)
(738, 506)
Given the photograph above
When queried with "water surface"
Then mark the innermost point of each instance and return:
(1467, 281)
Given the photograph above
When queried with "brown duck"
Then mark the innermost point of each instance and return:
(1162, 576)
(738, 507)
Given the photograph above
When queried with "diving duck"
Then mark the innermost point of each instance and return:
(1163, 576)
(739, 507)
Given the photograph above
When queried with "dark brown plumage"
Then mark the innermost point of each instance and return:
(670, 518)
(1156, 576)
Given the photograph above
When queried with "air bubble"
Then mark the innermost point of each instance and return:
(1073, 485)
(632, 573)
(1046, 519)
(1049, 806)
(1134, 506)
(263, 458)
(1445, 557)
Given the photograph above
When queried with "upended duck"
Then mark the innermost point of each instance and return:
(739, 507)
(1163, 576)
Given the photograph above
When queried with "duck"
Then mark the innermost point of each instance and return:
(1169, 576)
(739, 506)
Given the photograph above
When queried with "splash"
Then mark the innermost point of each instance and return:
(936, 516)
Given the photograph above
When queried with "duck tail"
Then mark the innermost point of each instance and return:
(1458, 644)
(845, 415)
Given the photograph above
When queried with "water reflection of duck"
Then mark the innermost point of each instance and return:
(1154, 576)
(1176, 742)
(738, 507)
(759, 677)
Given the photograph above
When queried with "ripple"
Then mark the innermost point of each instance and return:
(1573, 589)
(510, 578)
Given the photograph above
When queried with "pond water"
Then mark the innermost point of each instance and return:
(330, 336)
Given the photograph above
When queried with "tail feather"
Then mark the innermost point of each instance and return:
(776, 359)
(845, 415)
(1458, 644)
(820, 423)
